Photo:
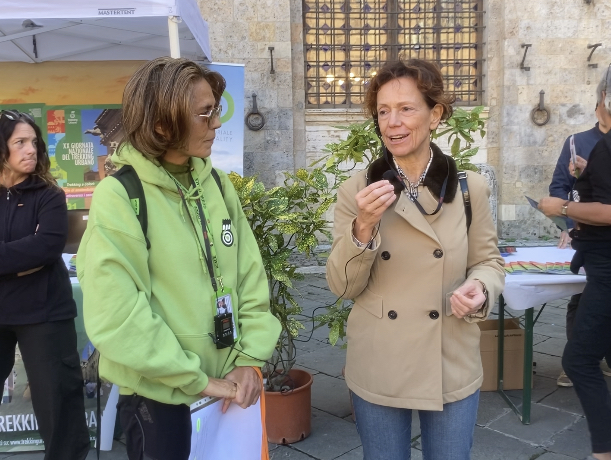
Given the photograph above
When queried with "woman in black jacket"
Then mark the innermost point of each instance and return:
(37, 310)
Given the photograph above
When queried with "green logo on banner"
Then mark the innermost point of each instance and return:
(230, 107)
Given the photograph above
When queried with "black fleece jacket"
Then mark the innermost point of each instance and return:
(33, 232)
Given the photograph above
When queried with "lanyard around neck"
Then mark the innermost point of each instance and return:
(442, 195)
(210, 254)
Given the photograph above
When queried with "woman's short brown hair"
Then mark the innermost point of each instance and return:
(160, 93)
(428, 79)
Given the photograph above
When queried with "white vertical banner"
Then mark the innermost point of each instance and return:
(228, 147)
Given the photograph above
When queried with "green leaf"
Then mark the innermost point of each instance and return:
(455, 147)
(334, 334)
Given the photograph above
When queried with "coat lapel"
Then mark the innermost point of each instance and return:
(410, 213)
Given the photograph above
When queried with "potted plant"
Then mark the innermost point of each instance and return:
(286, 221)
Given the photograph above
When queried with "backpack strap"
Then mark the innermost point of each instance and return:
(128, 176)
(464, 187)
(217, 179)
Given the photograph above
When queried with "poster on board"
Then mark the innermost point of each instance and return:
(79, 141)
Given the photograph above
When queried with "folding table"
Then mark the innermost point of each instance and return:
(523, 292)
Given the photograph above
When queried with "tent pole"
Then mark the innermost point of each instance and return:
(174, 39)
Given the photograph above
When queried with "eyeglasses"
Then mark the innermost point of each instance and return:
(211, 114)
(13, 115)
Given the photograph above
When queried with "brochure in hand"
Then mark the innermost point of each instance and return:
(561, 222)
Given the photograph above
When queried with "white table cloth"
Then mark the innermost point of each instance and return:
(530, 290)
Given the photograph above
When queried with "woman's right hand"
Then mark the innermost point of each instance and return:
(220, 388)
(372, 201)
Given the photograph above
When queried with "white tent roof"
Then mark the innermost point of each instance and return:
(99, 30)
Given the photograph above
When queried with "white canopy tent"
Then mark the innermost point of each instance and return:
(100, 30)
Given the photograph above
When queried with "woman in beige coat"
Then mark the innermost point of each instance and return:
(420, 276)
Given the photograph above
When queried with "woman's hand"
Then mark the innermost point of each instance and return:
(220, 388)
(580, 165)
(551, 206)
(467, 299)
(565, 239)
(248, 384)
(372, 201)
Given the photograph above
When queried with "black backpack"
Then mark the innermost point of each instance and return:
(128, 177)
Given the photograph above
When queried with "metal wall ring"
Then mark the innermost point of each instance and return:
(539, 120)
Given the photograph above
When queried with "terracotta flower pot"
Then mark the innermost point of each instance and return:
(288, 415)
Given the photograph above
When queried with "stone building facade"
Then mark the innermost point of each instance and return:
(522, 153)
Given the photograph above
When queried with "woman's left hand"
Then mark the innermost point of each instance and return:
(249, 387)
(551, 206)
(467, 299)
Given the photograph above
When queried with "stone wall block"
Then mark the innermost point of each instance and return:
(273, 10)
(282, 50)
(262, 31)
(532, 135)
(515, 115)
(267, 99)
(285, 97)
(283, 30)
(279, 140)
(510, 174)
(254, 141)
(243, 10)
(268, 163)
(576, 114)
(242, 49)
(279, 119)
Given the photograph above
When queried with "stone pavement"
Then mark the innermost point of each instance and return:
(558, 430)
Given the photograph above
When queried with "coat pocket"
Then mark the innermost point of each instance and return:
(371, 302)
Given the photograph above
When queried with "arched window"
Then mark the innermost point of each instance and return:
(346, 41)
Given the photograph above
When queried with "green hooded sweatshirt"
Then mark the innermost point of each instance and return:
(150, 312)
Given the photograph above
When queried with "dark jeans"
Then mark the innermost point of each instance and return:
(53, 368)
(571, 312)
(590, 341)
(154, 430)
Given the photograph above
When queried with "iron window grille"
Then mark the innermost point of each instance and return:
(346, 41)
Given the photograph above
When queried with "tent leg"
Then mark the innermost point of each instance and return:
(173, 32)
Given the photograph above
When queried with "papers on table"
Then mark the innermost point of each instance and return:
(552, 268)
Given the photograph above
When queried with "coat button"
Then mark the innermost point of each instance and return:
(392, 314)
(438, 253)
(386, 255)
(433, 315)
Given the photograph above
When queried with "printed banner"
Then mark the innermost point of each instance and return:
(228, 147)
(79, 140)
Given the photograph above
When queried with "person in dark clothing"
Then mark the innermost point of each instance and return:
(561, 186)
(37, 310)
(591, 340)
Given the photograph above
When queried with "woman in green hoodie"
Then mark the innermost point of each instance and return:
(152, 313)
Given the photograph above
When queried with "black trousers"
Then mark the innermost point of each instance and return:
(53, 368)
(571, 312)
(591, 341)
(154, 430)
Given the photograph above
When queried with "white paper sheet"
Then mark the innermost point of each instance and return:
(237, 434)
